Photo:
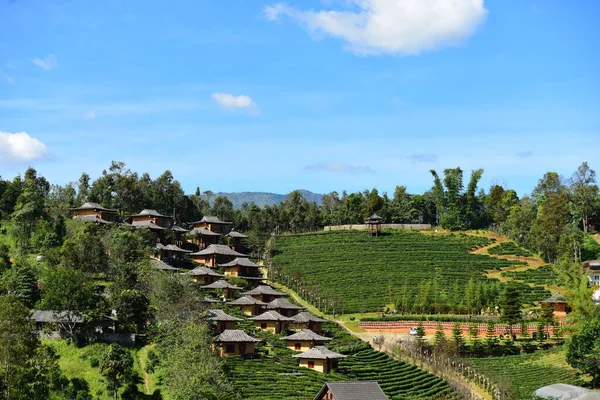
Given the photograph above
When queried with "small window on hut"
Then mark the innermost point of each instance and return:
(230, 348)
(311, 364)
(263, 325)
(297, 346)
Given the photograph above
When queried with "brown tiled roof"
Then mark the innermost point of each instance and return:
(235, 335)
(242, 262)
(172, 247)
(283, 304)
(92, 218)
(220, 315)
(353, 390)
(319, 353)
(211, 220)
(177, 228)
(90, 205)
(219, 249)
(203, 271)
(270, 316)
(148, 212)
(246, 301)
(304, 317)
(221, 284)
(146, 224)
(306, 334)
(202, 232)
(263, 289)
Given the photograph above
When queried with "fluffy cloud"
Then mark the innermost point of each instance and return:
(20, 147)
(338, 167)
(391, 26)
(423, 158)
(230, 102)
(48, 63)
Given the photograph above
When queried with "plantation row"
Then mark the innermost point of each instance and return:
(509, 248)
(523, 374)
(352, 272)
(544, 275)
(277, 375)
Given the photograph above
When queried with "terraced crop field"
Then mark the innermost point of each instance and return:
(527, 372)
(361, 271)
(544, 275)
(277, 375)
(509, 248)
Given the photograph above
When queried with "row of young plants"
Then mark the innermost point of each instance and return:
(544, 275)
(509, 248)
(276, 374)
(349, 272)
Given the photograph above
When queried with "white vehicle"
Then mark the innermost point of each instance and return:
(413, 331)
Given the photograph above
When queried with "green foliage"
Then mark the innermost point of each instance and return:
(544, 275)
(510, 305)
(509, 248)
(133, 309)
(582, 350)
(457, 337)
(116, 365)
(20, 281)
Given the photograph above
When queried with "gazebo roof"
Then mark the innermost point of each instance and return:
(306, 334)
(373, 219)
(178, 228)
(270, 316)
(319, 353)
(264, 289)
(221, 284)
(235, 335)
(203, 271)
(242, 262)
(56, 316)
(284, 304)
(202, 232)
(211, 220)
(556, 298)
(304, 317)
(221, 316)
(246, 301)
(218, 249)
(90, 205)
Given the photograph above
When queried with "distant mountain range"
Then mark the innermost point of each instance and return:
(262, 199)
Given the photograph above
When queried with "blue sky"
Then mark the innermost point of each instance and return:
(324, 95)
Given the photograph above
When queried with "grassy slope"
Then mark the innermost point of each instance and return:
(362, 271)
(527, 372)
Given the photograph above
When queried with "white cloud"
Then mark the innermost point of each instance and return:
(342, 168)
(7, 78)
(391, 26)
(20, 147)
(48, 63)
(231, 102)
(89, 115)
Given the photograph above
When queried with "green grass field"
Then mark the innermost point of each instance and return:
(523, 374)
(544, 275)
(364, 273)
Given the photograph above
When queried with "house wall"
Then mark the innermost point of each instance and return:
(250, 309)
(237, 350)
(304, 345)
(319, 365)
(271, 326)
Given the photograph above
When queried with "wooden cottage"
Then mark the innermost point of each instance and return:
(234, 342)
(558, 303)
(305, 320)
(204, 275)
(304, 340)
(248, 305)
(243, 268)
(169, 251)
(271, 321)
(216, 254)
(374, 224)
(203, 237)
(149, 218)
(236, 238)
(180, 234)
(94, 212)
(213, 224)
(284, 307)
(264, 293)
(320, 359)
(223, 288)
(222, 320)
(352, 390)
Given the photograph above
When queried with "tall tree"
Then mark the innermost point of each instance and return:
(584, 192)
(116, 365)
